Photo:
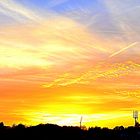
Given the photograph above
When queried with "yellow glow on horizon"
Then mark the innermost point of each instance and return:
(89, 120)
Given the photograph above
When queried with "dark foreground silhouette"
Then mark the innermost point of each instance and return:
(55, 132)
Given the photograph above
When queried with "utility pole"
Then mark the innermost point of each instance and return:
(81, 121)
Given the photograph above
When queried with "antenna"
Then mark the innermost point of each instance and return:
(81, 121)
(135, 116)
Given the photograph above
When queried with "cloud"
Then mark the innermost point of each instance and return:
(89, 77)
(119, 12)
(44, 44)
(123, 49)
(18, 12)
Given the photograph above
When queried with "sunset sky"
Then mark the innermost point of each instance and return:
(63, 59)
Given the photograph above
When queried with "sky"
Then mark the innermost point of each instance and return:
(63, 59)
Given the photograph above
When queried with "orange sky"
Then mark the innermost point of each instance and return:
(58, 69)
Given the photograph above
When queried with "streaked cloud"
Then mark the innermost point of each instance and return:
(123, 49)
(109, 72)
(19, 12)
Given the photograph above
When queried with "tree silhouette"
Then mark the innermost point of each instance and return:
(53, 131)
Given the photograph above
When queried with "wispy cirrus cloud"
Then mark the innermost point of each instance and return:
(19, 12)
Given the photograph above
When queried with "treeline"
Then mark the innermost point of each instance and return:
(54, 132)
